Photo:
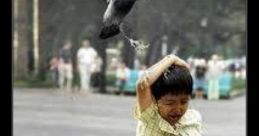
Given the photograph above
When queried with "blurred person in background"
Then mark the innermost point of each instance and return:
(199, 79)
(96, 72)
(86, 57)
(213, 75)
(54, 64)
(65, 66)
(122, 74)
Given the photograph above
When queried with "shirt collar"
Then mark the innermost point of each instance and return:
(188, 119)
(167, 127)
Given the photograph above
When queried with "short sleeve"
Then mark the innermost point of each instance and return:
(192, 123)
(146, 115)
(191, 131)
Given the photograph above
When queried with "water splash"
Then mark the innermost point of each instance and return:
(139, 46)
(129, 34)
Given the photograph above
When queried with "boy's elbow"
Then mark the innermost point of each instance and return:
(138, 85)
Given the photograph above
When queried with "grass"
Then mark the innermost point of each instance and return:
(238, 86)
(238, 83)
(32, 83)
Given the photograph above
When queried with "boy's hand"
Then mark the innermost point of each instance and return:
(177, 61)
(144, 95)
(143, 82)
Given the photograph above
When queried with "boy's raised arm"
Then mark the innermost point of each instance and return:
(144, 95)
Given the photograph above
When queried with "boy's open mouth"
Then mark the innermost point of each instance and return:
(174, 117)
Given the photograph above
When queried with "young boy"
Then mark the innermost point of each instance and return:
(163, 93)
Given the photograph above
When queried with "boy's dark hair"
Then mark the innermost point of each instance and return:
(176, 80)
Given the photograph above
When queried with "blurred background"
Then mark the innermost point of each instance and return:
(198, 31)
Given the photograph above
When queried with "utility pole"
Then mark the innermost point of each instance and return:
(36, 36)
(15, 37)
(20, 38)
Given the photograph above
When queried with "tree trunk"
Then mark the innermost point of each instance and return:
(36, 36)
(20, 38)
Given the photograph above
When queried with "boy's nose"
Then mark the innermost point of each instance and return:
(175, 113)
(178, 109)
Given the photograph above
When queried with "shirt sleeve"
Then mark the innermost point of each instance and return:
(192, 131)
(194, 125)
(146, 115)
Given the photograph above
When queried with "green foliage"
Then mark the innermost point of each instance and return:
(111, 78)
(238, 84)
(32, 82)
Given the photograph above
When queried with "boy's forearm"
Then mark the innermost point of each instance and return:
(144, 95)
(157, 69)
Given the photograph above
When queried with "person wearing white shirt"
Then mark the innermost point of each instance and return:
(86, 56)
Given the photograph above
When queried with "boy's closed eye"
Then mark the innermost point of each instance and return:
(184, 102)
(172, 102)
(169, 102)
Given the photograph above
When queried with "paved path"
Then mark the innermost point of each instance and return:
(38, 112)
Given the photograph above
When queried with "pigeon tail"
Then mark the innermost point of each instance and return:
(109, 31)
(114, 29)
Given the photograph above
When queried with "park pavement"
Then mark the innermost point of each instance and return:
(51, 112)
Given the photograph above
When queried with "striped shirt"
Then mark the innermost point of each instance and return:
(150, 123)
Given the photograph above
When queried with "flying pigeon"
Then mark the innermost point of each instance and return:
(113, 17)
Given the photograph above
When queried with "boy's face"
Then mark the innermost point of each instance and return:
(172, 107)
